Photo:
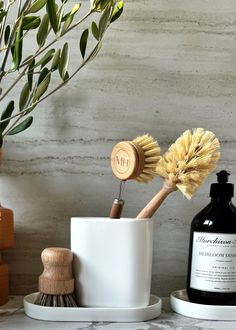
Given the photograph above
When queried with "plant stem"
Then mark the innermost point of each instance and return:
(28, 2)
(8, 48)
(12, 126)
(19, 7)
(22, 112)
(80, 21)
(12, 37)
(14, 83)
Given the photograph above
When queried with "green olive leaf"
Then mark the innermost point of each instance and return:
(94, 29)
(117, 11)
(42, 75)
(52, 13)
(30, 22)
(83, 42)
(31, 73)
(64, 60)
(67, 76)
(22, 126)
(17, 49)
(68, 18)
(7, 34)
(2, 15)
(67, 24)
(24, 96)
(46, 58)
(60, 15)
(36, 6)
(99, 5)
(104, 3)
(6, 114)
(104, 21)
(56, 59)
(43, 30)
(42, 87)
(64, 18)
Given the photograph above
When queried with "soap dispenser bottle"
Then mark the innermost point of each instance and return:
(212, 249)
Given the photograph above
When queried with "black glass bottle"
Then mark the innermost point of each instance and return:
(212, 249)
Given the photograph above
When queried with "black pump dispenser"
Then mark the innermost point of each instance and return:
(212, 248)
(222, 188)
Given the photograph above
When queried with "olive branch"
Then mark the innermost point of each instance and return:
(51, 24)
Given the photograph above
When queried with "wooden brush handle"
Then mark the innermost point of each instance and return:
(56, 278)
(116, 209)
(157, 200)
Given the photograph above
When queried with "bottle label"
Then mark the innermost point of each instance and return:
(213, 262)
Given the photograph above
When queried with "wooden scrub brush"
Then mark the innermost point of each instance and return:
(135, 159)
(185, 166)
(56, 284)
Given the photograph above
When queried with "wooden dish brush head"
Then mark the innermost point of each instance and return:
(185, 166)
(136, 160)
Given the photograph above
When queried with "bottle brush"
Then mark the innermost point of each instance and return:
(185, 166)
(136, 160)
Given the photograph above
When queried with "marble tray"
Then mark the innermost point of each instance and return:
(181, 305)
(91, 314)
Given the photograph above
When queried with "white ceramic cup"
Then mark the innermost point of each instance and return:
(112, 262)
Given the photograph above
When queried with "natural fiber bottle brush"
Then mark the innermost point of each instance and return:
(56, 283)
(185, 166)
(133, 160)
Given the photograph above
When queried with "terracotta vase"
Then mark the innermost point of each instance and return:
(6, 242)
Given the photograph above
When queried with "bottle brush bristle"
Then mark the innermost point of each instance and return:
(189, 161)
(152, 156)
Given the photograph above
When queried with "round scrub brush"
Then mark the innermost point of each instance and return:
(135, 159)
(185, 166)
(56, 284)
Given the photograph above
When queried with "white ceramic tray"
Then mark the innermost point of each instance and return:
(91, 314)
(181, 305)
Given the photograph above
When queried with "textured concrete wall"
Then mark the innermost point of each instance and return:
(165, 66)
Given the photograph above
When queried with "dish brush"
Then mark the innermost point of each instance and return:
(185, 166)
(136, 160)
(56, 284)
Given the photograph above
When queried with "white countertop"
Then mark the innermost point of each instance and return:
(12, 317)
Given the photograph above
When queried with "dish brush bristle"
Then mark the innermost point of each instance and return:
(67, 300)
(151, 151)
(189, 161)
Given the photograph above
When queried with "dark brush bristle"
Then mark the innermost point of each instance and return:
(67, 300)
